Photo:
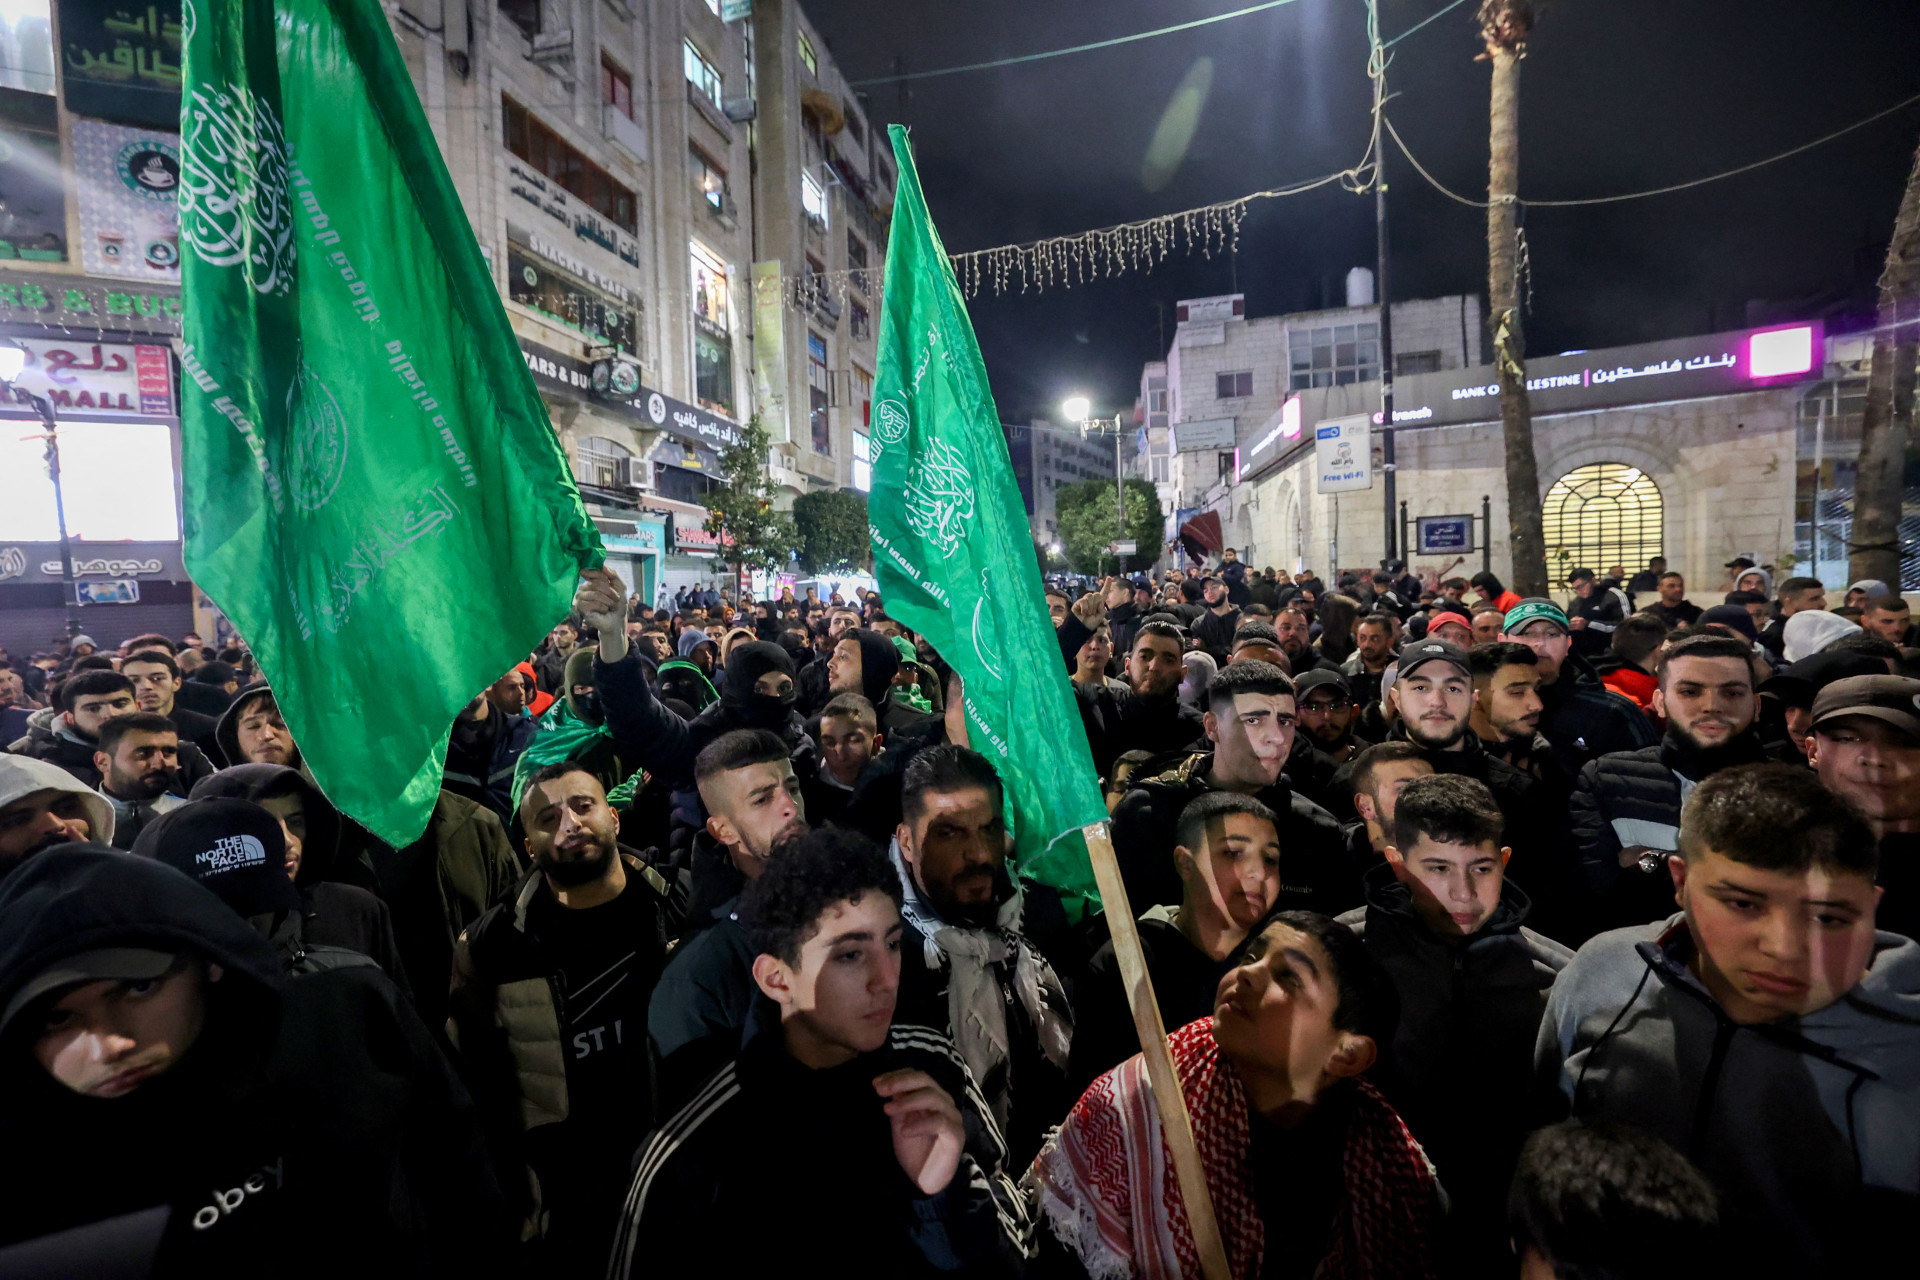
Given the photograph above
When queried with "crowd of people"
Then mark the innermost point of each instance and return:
(1492, 935)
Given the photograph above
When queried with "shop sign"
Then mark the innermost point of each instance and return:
(88, 306)
(543, 246)
(693, 538)
(122, 61)
(129, 222)
(543, 194)
(39, 562)
(599, 318)
(98, 377)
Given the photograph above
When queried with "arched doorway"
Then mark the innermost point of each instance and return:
(1604, 514)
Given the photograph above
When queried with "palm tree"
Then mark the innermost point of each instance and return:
(1887, 423)
(1505, 26)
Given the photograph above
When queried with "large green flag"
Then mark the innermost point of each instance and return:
(953, 554)
(372, 491)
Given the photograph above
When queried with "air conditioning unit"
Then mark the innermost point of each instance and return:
(635, 474)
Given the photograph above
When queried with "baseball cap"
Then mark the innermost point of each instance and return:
(1415, 656)
(106, 964)
(232, 846)
(1442, 616)
(1799, 684)
(1894, 700)
(1321, 678)
(1532, 609)
(1741, 560)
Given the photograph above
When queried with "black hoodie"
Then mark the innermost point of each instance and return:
(311, 1129)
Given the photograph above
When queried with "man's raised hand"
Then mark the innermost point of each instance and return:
(601, 602)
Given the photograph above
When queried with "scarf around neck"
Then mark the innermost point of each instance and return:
(1106, 1185)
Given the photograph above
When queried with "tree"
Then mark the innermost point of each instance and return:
(753, 535)
(1505, 26)
(830, 527)
(1085, 513)
(1886, 425)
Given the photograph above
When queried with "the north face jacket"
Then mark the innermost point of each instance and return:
(313, 1129)
(1809, 1126)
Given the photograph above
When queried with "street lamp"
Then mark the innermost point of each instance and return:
(1076, 409)
(13, 359)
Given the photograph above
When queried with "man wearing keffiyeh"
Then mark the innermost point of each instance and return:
(966, 968)
(1311, 1171)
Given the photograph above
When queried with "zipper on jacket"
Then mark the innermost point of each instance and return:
(1709, 1083)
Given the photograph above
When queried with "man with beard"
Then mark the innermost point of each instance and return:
(1295, 632)
(1583, 719)
(1150, 716)
(1228, 857)
(966, 967)
(41, 806)
(865, 662)
(488, 736)
(1326, 714)
(69, 735)
(1433, 699)
(1250, 723)
(548, 1009)
(754, 804)
(1507, 705)
(139, 763)
(1865, 745)
(1370, 660)
(1625, 810)
(1213, 630)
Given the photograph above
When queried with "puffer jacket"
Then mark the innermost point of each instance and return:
(1809, 1126)
(1632, 800)
(48, 738)
(1584, 719)
(507, 1017)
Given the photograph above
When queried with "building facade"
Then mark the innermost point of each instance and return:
(631, 169)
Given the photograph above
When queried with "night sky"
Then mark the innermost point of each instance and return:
(1617, 95)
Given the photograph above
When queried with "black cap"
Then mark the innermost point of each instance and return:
(233, 847)
(1415, 656)
(1320, 678)
(1893, 700)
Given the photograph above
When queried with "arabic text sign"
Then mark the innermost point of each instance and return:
(122, 61)
(1437, 535)
(1343, 454)
(99, 378)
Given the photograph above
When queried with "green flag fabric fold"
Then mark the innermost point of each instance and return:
(373, 493)
(954, 556)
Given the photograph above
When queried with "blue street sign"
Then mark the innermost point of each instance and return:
(1438, 535)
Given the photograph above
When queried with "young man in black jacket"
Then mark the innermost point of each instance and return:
(549, 1010)
(837, 1137)
(1448, 928)
(1229, 863)
(1583, 719)
(1625, 809)
(153, 1053)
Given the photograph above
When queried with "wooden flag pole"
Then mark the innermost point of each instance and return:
(1153, 1044)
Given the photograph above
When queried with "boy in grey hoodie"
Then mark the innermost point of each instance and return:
(1767, 1031)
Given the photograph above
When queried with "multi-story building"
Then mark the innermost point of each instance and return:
(1211, 404)
(1046, 458)
(630, 169)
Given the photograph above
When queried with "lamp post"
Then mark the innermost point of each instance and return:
(1076, 409)
(13, 359)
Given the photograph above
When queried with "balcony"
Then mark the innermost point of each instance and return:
(624, 132)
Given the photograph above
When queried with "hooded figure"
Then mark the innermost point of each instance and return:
(226, 734)
(683, 681)
(879, 663)
(303, 1128)
(1812, 630)
(41, 805)
(338, 912)
(237, 849)
(690, 648)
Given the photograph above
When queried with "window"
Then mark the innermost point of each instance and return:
(1334, 356)
(26, 33)
(702, 75)
(808, 56)
(813, 200)
(597, 461)
(713, 372)
(1603, 514)
(862, 465)
(1162, 471)
(712, 332)
(819, 386)
(616, 87)
(1157, 401)
(863, 394)
(524, 14)
(549, 153)
(859, 322)
(856, 252)
(709, 179)
(1226, 465)
(1233, 386)
(1416, 362)
(710, 291)
(855, 130)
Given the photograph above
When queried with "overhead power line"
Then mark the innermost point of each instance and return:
(1444, 190)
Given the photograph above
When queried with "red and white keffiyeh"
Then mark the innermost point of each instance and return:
(1108, 1190)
